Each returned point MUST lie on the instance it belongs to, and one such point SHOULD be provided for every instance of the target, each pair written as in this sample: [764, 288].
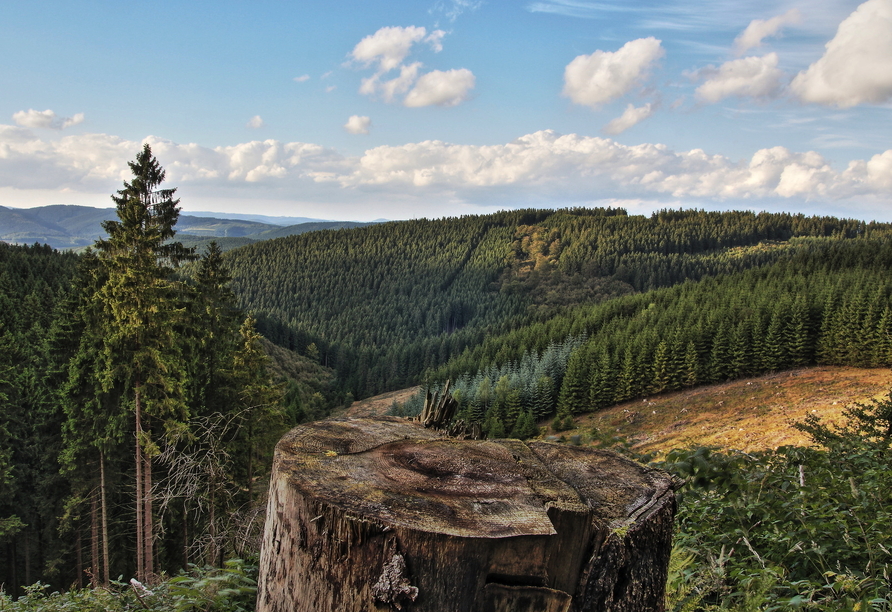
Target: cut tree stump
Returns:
[383, 514]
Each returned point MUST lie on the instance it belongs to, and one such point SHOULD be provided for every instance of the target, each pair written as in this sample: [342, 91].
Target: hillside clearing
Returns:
[748, 414]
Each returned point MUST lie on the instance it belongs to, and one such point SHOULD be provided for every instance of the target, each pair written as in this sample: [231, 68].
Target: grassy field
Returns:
[750, 414]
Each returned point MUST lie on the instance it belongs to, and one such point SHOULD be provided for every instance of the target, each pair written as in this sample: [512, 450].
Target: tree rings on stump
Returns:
[383, 514]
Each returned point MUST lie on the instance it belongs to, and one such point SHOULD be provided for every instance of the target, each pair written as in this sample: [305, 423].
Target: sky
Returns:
[371, 109]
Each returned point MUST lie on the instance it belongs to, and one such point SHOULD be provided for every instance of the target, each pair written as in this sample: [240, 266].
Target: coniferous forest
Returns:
[143, 384]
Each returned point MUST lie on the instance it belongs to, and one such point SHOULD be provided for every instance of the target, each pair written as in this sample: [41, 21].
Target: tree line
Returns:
[384, 304]
[829, 302]
[137, 409]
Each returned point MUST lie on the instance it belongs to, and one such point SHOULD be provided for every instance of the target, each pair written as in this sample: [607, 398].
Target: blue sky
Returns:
[371, 109]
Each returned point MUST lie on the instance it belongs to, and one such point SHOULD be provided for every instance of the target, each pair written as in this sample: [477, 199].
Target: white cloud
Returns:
[435, 40]
[573, 165]
[760, 29]
[255, 122]
[45, 119]
[387, 47]
[550, 168]
[631, 116]
[595, 79]
[302, 78]
[856, 67]
[754, 77]
[441, 88]
[390, 89]
[358, 125]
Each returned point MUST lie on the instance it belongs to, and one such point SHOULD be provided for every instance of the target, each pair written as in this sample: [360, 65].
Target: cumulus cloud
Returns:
[553, 163]
[389, 46]
[98, 162]
[302, 78]
[45, 119]
[748, 77]
[595, 79]
[391, 88]
[255, 122]
[388, 49]
[631, 116]
[856, 67]
[441, 88]
[555, 168]
[760, 29]
[358, 125]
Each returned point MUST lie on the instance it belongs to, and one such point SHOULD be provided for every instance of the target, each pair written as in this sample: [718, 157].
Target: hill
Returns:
[748, 415]
[67, 227]
[74, 227]
[384, 304]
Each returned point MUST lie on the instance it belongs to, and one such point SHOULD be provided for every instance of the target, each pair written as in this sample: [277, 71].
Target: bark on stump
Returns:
[383, 514]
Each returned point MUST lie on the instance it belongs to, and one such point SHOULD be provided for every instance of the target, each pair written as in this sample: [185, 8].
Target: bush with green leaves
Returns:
[232, 588]
[796, 528]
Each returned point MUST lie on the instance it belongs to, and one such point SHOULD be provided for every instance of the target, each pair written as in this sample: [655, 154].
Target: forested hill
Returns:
[77, 227]
[383, 304]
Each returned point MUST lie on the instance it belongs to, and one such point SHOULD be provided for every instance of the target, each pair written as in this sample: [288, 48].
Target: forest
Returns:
[143, 384]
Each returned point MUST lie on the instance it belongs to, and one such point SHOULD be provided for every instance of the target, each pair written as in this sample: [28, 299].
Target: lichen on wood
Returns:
[393, 586]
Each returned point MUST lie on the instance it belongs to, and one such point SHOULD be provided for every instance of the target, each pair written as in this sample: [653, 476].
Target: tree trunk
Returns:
[95, 570]
[102, 485]
[384, 514]
[140, 527]
[148, 522]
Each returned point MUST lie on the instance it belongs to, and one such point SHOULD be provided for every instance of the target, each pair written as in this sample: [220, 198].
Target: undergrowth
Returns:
[231, 588]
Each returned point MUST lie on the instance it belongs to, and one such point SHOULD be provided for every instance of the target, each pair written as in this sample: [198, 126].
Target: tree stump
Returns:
[383, 514]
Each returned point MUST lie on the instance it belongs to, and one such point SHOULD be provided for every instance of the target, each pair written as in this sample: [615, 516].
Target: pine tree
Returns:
[603, 381]
[691, 368]
[573, 397]
[543, 397]
[140, 362]
[525, 426]
[660, 371]
[798, 336]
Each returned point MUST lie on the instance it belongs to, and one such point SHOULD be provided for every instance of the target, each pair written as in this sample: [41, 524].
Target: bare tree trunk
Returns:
[185, 533]
[212, 524]
[102, 488]
[27, 543]
[140, 525]
[382, 514]
[148, 522]
[94, 541]
[79, 542]
[250, 487]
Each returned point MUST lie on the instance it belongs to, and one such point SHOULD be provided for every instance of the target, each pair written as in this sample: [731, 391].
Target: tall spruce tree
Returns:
[140, 360]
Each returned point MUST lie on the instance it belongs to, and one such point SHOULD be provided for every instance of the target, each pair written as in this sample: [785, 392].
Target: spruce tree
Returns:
[574, 396]
[140, 361]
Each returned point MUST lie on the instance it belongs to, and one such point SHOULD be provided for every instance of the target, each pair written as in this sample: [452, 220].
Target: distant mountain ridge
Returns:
[74, 227]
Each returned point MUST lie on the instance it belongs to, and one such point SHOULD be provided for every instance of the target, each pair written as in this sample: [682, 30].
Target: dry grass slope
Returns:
[748, 415]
